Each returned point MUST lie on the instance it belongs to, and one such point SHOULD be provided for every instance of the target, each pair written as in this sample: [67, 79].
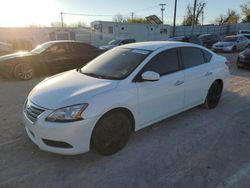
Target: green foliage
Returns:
[245, 9]
[136, 20]
[230, 18]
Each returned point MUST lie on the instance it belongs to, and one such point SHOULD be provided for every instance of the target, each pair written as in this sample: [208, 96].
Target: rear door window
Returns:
[191, 57]
[207, 56]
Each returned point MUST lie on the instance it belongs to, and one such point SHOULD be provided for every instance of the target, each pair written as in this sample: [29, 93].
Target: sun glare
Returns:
[18, 13]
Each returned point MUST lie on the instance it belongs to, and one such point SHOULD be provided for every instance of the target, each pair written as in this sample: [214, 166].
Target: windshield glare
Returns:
[230, 39]
[41, 48]
[115, 64]
[114, 42]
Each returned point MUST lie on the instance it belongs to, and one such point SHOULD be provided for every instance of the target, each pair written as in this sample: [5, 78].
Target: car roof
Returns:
[233, 36]
[64, 41]
[155, 45]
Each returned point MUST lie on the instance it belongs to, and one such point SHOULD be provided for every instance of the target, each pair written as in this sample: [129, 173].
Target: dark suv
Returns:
[209, 39]
[189, 38]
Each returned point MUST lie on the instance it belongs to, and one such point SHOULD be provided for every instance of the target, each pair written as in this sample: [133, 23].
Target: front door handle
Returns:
[208, 73]
[179, 82]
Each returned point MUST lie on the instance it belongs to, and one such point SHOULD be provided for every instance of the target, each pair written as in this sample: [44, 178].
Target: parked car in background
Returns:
[231, 43]
[21, 45]
[50, 57]
[117, 42]
[246, 33]
[5, 48]
[209, 39]
[244, 59]
[123, 90]
[190, 38]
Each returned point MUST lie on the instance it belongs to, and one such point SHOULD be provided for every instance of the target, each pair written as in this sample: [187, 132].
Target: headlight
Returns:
[67, 114]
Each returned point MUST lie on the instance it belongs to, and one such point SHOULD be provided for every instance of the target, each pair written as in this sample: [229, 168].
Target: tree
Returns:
[245, 9]
[119, 18]
[123, 19]
[77, 24]
[73, 24]
[189, 13]
[136, 20]
[57, 24]
[231, 17]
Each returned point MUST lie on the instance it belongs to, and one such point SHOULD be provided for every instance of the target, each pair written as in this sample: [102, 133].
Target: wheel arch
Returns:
[125, 111]
[220, 81]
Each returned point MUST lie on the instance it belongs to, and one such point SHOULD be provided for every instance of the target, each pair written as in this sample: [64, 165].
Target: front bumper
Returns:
[75, 134]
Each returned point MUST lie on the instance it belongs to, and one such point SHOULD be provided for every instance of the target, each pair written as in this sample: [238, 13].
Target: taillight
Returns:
[228, 63]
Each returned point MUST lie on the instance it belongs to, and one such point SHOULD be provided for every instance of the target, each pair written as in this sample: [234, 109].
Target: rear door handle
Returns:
[208, 73]
[179, 82]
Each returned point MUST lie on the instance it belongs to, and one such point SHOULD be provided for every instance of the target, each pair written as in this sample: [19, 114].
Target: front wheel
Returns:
[111, 133]
[213, 95]
[23, 71]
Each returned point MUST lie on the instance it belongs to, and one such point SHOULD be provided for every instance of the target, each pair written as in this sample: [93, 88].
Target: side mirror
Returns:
[150, 76]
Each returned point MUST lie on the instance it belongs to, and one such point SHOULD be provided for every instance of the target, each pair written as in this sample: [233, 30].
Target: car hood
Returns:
[224, 43]
[15, 55]
[68, 88]
[107, 46]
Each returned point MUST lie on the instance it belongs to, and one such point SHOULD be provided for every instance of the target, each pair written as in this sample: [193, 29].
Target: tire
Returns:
[23, 71]
[213, 95]
[111, 133]
[238, 65]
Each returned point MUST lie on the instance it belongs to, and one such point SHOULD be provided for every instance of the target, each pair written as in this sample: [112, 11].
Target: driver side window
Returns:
[164, 63]
[59, 48]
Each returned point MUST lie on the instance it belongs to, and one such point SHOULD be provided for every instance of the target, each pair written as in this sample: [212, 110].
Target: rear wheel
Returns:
[23, 71]
[213, 95]
[111, 133]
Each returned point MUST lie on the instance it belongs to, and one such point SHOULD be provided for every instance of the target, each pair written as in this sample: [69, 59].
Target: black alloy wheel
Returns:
[111, 133]
[213, 95]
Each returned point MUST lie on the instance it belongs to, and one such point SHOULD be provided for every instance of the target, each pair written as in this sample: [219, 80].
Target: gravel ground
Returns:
[197, 148]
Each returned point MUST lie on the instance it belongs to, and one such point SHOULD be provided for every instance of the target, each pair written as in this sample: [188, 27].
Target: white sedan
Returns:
[123, 90]
[231, 43]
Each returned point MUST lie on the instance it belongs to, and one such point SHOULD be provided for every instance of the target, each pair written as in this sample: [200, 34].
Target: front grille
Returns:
[32, 111]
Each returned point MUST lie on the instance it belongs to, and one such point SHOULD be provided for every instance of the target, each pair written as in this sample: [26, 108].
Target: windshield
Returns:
[245, 32]
[115, 64]
[114, 42]
[229, 39]
[41, 48]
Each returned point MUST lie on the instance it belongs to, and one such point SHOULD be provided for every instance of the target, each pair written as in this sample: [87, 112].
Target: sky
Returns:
[20, 13]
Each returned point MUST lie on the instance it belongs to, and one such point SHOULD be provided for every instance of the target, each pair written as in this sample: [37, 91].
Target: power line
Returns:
[78, 14]
[144, 9]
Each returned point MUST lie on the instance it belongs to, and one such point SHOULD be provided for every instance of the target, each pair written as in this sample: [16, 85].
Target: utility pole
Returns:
[162, 10]
[202, 17]
[132, 16]
[175, 5]
[193, 20]
[62, 19]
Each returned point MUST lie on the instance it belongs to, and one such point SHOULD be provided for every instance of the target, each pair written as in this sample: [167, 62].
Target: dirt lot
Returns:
[197, 148]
